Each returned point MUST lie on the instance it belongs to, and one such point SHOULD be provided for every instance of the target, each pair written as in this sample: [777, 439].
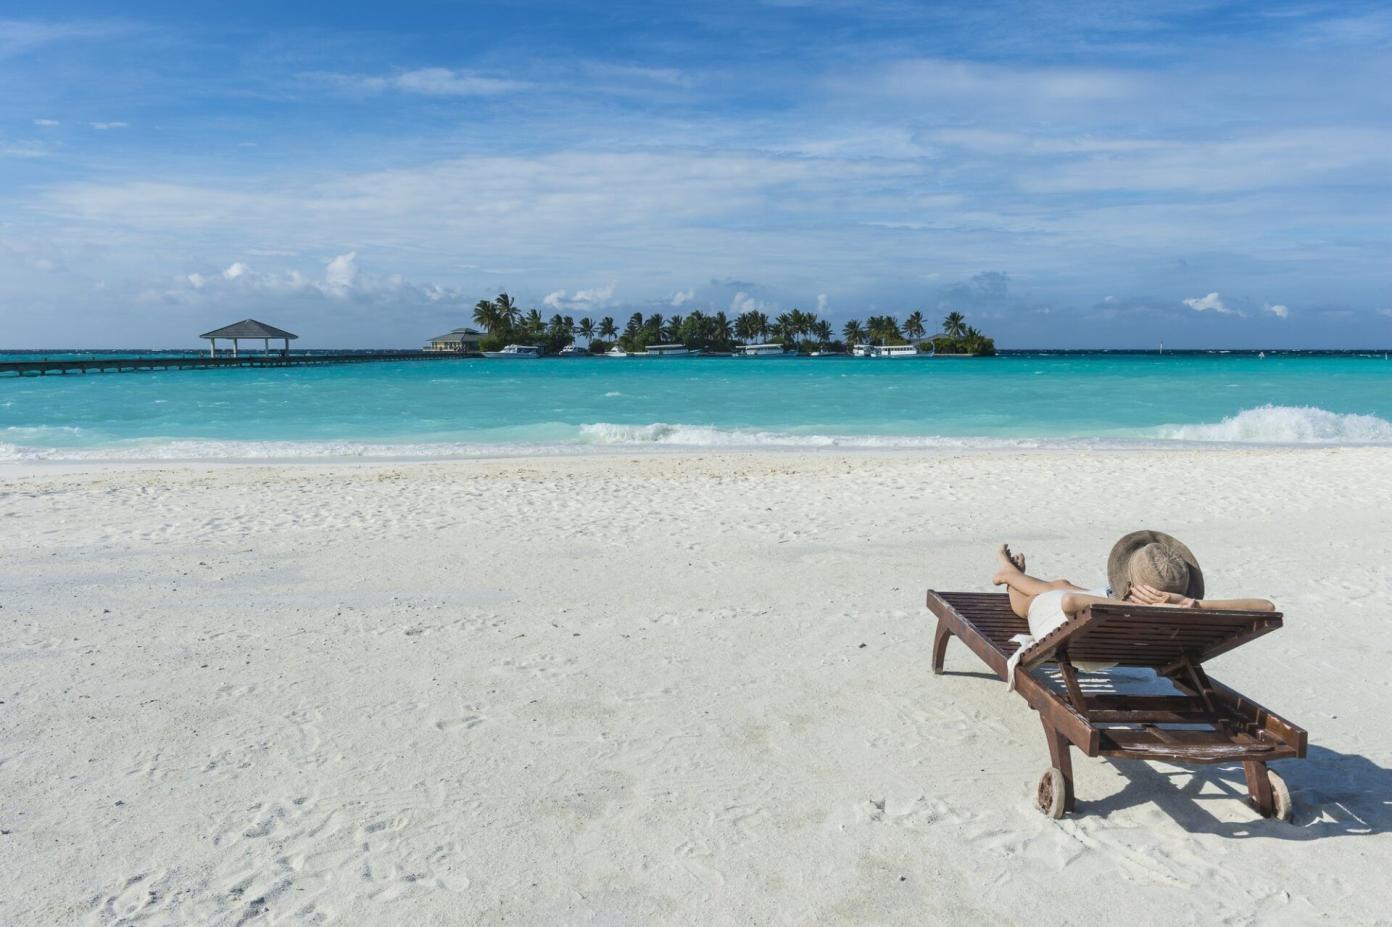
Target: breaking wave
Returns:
[1287, 425]
[1268, 425]
[661, 433]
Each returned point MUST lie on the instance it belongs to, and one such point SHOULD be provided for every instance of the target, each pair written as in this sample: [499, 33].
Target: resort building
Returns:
[249, 330]
[459, 341]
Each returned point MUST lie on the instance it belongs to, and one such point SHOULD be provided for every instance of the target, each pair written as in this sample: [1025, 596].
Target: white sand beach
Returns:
[656, 689]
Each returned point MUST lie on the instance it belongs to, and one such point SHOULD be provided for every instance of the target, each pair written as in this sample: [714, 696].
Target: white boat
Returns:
[615, 351]
[516, 352]
[898, 351]
[762, 350]
[860, 350]
[671, 350]
[828, 354]
[573, 350]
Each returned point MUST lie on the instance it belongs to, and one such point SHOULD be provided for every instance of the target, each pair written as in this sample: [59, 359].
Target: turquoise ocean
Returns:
[481, 407]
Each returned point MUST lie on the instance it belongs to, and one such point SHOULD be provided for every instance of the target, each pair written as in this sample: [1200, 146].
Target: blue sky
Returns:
[1104, 174]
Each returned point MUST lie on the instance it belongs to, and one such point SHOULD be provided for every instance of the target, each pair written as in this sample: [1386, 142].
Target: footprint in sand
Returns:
[451, 724]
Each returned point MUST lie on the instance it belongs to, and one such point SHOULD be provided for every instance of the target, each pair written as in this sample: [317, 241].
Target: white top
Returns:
[1046, 614]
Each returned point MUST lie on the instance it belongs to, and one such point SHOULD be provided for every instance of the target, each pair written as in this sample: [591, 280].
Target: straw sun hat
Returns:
[1153, 558]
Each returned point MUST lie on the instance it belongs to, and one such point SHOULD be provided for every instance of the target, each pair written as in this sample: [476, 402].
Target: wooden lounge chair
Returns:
[1198, 721]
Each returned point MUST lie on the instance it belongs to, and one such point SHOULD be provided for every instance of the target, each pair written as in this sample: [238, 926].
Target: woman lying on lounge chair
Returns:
[1144, 568]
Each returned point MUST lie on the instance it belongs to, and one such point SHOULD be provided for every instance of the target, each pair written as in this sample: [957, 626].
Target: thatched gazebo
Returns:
[249, 329]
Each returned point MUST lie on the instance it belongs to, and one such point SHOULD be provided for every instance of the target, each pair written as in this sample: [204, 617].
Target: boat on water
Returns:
[573, 350]
[516, 352]
[860, 350]
[829, 354]
[670, 350]
[897, 351]
[763, 350]
[615, 351]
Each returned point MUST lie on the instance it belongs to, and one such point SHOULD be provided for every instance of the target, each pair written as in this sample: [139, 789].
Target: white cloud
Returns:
[444, 82]
[821, 303]
[437, 82]
[1278, 310]
[1210, 303]
[104, 126]
[22, 150]
[682, 297]
[342, 280]
[18, 36]
[31, 255]
[581, 300]
[989, 86]
[342, 272]
[743, 302]
[47, 123]
[1226, 164]
[628, 74]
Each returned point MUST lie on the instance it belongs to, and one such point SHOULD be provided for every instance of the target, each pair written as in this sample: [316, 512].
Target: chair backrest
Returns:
[1158, 637]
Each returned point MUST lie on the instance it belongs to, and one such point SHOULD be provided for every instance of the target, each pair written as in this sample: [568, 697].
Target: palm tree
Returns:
[720, 328]
[672, 331]
[696, 329]
[635, 324]
[607, 330]
[883, 328]
[761, 324]
[534, 323]
[586, 329]
[913, 325]
[557, 327]
[853, 332]
[486, 315]
[822, 329]
[955, 325]
[507, 309]
[745, 329]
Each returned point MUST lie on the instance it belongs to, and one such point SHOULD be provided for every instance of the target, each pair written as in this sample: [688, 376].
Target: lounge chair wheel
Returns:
[1280, 797]
[1052, 793]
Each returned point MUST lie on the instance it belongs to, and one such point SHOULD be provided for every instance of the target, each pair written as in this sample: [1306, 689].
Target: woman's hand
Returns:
[1149, 595]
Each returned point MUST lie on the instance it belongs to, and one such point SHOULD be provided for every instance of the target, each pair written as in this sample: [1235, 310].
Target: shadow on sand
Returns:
[1334, 795]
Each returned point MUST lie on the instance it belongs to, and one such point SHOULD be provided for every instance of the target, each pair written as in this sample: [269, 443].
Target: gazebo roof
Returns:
[456, 332]
[249, 328]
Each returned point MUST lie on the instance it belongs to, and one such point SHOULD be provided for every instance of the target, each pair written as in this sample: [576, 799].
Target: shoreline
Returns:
[562, 453]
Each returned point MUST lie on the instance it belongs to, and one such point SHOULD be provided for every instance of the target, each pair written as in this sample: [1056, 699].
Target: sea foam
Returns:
[1286, 425]
[674, 435]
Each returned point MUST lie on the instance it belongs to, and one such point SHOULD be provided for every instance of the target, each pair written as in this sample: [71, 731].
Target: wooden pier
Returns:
[42, 366]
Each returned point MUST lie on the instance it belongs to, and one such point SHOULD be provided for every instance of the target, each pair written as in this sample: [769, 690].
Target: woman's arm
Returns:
[1241, 605]
[1074, 602]
[1147, 595]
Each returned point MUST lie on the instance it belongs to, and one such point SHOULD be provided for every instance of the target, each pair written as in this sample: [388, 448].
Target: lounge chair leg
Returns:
[1259, 788]
[940, 639]
[1060, 756]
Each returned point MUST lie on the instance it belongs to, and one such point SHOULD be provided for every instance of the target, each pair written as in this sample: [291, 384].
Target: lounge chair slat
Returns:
[1189, 746]
[1156, 702]
[1147, 716]
[1151, 636]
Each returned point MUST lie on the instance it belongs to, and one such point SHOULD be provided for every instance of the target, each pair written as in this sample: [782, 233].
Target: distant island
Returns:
[506, 323]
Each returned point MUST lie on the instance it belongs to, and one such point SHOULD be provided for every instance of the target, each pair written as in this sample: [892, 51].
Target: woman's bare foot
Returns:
[1011, 564]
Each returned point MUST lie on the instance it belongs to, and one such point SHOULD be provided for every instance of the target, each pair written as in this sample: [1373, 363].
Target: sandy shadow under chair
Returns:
[1334, 795]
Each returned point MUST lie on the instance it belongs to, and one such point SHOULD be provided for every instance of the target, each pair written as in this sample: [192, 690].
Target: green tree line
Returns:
[506, 323]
